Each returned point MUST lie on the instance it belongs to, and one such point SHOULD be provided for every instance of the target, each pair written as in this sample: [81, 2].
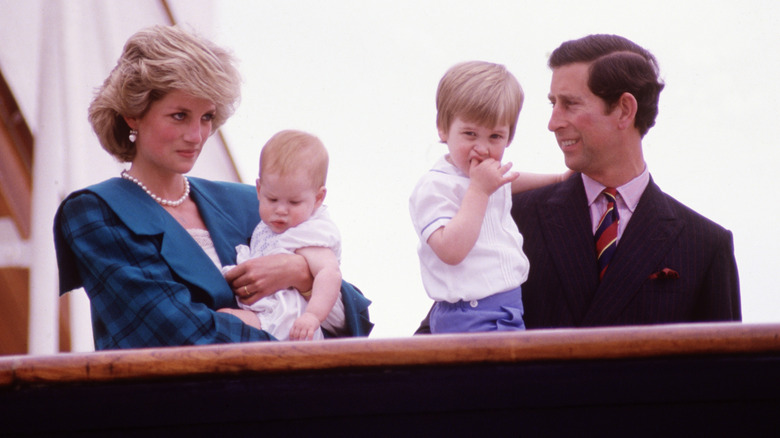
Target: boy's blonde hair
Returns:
[479, 92]
[291, 150]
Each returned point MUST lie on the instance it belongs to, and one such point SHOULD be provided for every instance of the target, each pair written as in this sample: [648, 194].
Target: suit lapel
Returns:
[567, 231]
[652, 230]
[184, 256]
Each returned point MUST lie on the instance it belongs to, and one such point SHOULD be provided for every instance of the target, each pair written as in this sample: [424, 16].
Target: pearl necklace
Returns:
[161, 201]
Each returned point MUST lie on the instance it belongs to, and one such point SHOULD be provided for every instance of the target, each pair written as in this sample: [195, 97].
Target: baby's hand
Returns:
[488, 175]
[304, 327]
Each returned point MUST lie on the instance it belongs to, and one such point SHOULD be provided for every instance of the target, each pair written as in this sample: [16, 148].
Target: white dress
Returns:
[278, 312]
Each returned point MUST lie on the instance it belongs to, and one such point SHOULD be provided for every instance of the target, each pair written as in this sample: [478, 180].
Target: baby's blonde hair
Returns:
[479, 92]
[291, 150]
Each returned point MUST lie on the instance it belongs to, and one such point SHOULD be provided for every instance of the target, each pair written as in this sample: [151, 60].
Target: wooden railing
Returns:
[708, 378]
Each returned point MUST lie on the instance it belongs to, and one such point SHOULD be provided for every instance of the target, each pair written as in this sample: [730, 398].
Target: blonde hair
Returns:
[479, 92]
[291, 150]
[154, 62]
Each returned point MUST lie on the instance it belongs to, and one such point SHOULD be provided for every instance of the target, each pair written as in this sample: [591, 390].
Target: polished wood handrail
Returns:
[276, 357]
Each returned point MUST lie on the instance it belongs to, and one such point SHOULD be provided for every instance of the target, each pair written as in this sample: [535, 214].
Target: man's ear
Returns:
[626, 107]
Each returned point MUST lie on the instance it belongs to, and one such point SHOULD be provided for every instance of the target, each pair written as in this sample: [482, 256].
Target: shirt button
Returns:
[473, 303]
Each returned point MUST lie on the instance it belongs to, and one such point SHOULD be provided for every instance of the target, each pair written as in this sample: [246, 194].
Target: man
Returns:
[668, 263]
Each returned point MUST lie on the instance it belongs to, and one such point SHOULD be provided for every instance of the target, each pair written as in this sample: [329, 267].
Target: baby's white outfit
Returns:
[278, 312]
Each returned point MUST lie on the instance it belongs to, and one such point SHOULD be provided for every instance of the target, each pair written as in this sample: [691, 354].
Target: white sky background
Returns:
[362, 75]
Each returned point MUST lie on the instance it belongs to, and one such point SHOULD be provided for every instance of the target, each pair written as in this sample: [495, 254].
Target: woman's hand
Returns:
[245, 316]
[262, 276]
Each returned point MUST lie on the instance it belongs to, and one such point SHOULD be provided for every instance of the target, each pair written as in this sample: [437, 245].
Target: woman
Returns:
[147, 247]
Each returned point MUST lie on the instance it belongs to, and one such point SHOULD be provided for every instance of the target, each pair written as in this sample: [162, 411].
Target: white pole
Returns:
[43, 334]
[78, 46]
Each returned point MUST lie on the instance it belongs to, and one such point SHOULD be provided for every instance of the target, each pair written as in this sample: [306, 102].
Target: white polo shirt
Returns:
[495, 264]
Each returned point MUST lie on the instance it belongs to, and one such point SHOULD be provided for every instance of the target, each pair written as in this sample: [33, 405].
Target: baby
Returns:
[291, 188]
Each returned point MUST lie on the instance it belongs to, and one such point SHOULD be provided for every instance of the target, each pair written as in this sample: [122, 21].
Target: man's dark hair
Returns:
[617, 66]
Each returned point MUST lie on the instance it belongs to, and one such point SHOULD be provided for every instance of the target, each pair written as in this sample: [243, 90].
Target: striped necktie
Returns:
[607, 232]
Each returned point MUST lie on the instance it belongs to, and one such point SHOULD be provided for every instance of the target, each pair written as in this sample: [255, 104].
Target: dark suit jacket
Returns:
[148, 281]
[563, 289]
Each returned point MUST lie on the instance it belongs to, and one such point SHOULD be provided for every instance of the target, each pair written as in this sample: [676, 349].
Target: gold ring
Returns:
[246, 292]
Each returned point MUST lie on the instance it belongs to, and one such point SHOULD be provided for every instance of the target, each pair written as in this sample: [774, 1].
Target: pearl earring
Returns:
[133, 135]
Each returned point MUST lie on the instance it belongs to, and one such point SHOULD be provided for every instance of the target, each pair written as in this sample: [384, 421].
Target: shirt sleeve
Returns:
[135, 298]
[318, 231]
[433, 203]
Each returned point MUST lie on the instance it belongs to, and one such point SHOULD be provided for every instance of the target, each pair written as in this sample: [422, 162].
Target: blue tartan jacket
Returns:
[148, 281]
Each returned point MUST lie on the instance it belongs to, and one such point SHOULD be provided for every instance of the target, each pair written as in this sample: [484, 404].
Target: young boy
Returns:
[291, 189]
[470, 251]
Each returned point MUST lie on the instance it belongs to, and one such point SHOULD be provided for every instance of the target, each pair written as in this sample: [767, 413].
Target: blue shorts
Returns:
[500, 312]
